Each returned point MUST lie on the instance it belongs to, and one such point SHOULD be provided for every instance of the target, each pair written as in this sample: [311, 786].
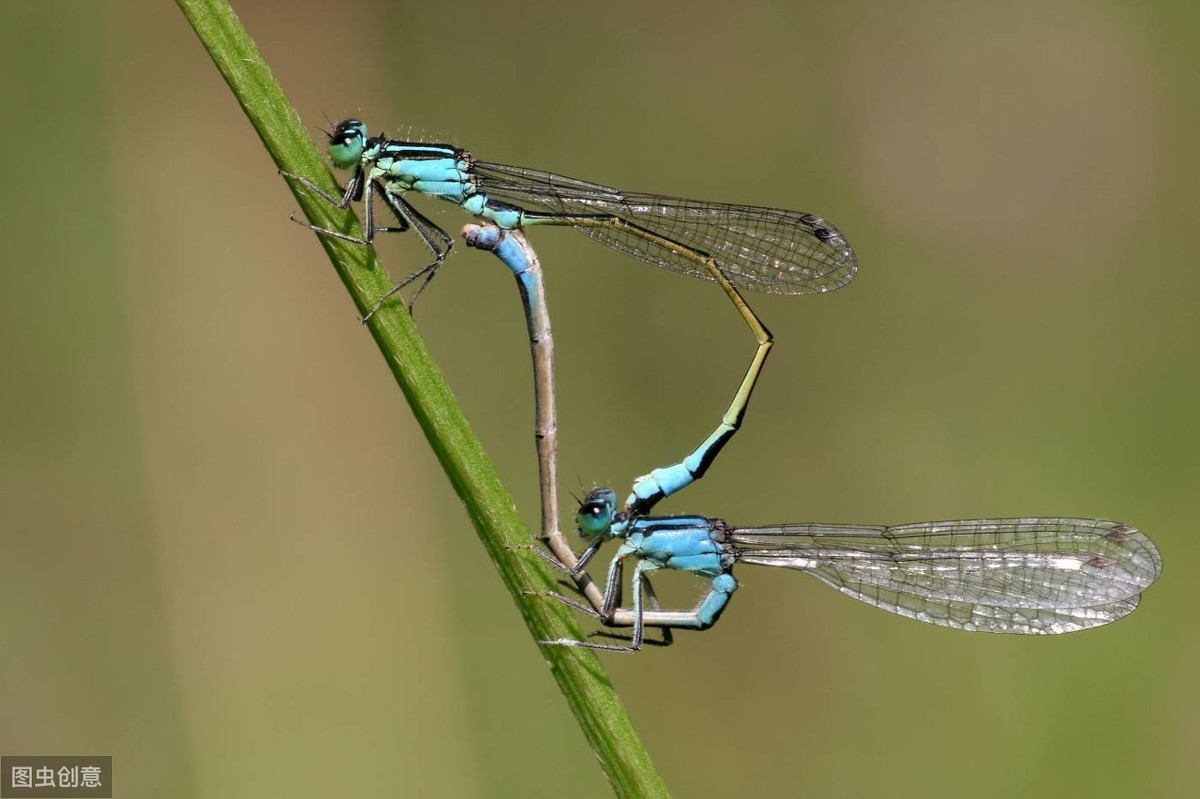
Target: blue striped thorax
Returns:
[686, 543]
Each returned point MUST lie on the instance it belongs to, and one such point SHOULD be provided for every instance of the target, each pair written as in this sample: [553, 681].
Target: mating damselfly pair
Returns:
[1029, 575]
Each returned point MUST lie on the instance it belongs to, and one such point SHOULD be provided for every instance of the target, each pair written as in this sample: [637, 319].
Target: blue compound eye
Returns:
[595, 515]
[347, 142]
[594, 518]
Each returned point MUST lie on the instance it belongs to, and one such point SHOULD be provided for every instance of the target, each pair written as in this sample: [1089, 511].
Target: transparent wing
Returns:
[763, 249]
[1031, 575]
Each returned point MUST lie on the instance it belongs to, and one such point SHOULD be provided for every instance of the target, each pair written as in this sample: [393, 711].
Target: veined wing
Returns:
[1029, 575]
[764, 249]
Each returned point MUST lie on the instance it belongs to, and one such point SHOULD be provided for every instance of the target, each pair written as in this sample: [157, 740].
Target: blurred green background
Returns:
[230, 560]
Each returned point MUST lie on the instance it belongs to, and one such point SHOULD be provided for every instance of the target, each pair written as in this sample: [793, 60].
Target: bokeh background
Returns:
[229, 559]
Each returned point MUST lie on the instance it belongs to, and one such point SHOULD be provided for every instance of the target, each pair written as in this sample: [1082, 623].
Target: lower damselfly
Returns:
[1028, 576]
[1031, 575]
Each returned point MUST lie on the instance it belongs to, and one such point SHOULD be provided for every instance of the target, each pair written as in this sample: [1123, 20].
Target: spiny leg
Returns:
[612, 597]
[349, 194]
[357, 189]
[652, 599]
[704, 615]
[437, 240]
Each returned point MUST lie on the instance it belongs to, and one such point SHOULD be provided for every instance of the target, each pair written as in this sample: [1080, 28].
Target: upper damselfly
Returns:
[763, 249]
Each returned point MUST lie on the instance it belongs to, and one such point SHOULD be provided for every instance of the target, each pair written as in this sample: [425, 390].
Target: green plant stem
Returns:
[583, 681]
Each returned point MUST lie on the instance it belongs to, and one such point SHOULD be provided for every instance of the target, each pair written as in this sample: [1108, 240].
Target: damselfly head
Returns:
[596, 512]
[347, 142]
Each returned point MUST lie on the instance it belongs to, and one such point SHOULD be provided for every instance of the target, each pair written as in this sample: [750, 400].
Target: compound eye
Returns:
[347, 142]
[595, 517]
